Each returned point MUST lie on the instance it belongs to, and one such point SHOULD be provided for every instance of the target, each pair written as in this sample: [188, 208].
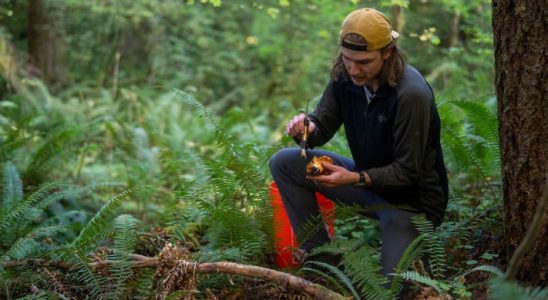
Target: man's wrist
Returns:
[367, 179]
[363, 179]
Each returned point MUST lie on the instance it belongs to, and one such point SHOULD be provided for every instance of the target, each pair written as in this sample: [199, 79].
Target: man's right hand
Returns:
[295, 127]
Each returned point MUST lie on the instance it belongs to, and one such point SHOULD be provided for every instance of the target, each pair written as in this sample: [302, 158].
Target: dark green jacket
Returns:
[395, 139]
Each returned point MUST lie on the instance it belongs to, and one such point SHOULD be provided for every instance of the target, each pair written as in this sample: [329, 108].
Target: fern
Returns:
[23, 247]
[439, 286]
[98, 223]
[411, 253]
[364, 269]
[473, 148]
[17, 210]
[221, 181]
[485, 268]
[250, 179]
[42, 160]
[341, 280]
[229, 227]
[501, 289]
[14, 137]
[484, 122]
[145, 283]
[125, 239]
[80, 269]
[433, 245]
[331, 281]
[12, 186]
[198, 108]
[213, 255]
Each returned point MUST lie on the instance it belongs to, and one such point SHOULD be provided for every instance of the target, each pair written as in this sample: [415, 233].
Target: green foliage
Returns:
[364, 267]
[18, 214]
[444, 285]
[26, 228]
[125, 239]
[433, 245]
[128, 116]
[335, 276]
[98, 224]
[361, 277]
[506, 290]
[226, 204]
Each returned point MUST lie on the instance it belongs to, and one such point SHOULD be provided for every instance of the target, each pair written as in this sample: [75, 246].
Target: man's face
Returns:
[363, 67]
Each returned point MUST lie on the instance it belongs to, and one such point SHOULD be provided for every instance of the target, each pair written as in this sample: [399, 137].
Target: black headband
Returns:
[354, 47]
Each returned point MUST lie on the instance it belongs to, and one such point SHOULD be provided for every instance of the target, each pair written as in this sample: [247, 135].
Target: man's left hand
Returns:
[338, 176]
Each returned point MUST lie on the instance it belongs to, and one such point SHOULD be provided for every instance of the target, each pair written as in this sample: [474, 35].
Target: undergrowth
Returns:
[139, 182]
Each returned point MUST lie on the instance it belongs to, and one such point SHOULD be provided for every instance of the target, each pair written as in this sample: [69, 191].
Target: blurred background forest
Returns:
[130, 123]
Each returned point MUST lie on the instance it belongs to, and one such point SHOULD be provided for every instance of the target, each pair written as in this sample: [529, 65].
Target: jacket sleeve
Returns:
[327, 118]
[410, 135]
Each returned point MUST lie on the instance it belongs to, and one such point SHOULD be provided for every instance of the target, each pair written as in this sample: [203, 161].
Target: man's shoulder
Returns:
[413, 84]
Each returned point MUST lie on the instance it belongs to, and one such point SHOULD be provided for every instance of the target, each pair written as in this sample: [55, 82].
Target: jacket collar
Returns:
[382, 92]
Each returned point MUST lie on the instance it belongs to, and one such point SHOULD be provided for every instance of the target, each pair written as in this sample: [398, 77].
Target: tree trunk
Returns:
[454, 38]
[45, 41]
[519, 28]
[398, 18]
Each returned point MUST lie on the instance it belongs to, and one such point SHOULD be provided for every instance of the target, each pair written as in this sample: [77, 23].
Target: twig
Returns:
[530, 236]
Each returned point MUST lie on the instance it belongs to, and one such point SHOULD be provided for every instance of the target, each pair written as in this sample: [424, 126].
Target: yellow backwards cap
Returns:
[372, 25]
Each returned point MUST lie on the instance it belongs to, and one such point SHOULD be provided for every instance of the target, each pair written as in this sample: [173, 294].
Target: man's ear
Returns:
[386, 52]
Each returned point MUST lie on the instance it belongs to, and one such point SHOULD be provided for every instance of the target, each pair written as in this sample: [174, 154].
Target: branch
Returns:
[530, 236]
[315, 291]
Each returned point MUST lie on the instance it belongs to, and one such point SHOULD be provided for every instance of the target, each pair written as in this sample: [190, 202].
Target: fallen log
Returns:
[315, 291]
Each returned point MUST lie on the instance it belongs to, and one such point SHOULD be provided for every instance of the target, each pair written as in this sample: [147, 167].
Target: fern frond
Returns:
[25, 205]
[198, 108]
[364, 268]
[46, 231]
[80, 269]
[339, 276]
[311, 226]
[485, 268]
[251, 179]
[23, 247]
[125, 233]
[485, 122]
[145, 283]
[67, 191]
[12, 187]
[336, 247]
[464, 155]
[501, 289]
[55, 145]
[208, 255]
[125, 239]
[222, 181]
[411, 253]
[439, 286]
[330, 279]
[230, 227]
[433, 245]
[98, 223]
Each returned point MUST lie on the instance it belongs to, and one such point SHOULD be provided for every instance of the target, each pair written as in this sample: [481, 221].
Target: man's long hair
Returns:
[392, 69]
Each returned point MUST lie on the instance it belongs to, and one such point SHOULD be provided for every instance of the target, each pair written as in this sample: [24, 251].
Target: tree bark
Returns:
[519, 28]
[45, 42]
[454, 38]
[398, 18]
